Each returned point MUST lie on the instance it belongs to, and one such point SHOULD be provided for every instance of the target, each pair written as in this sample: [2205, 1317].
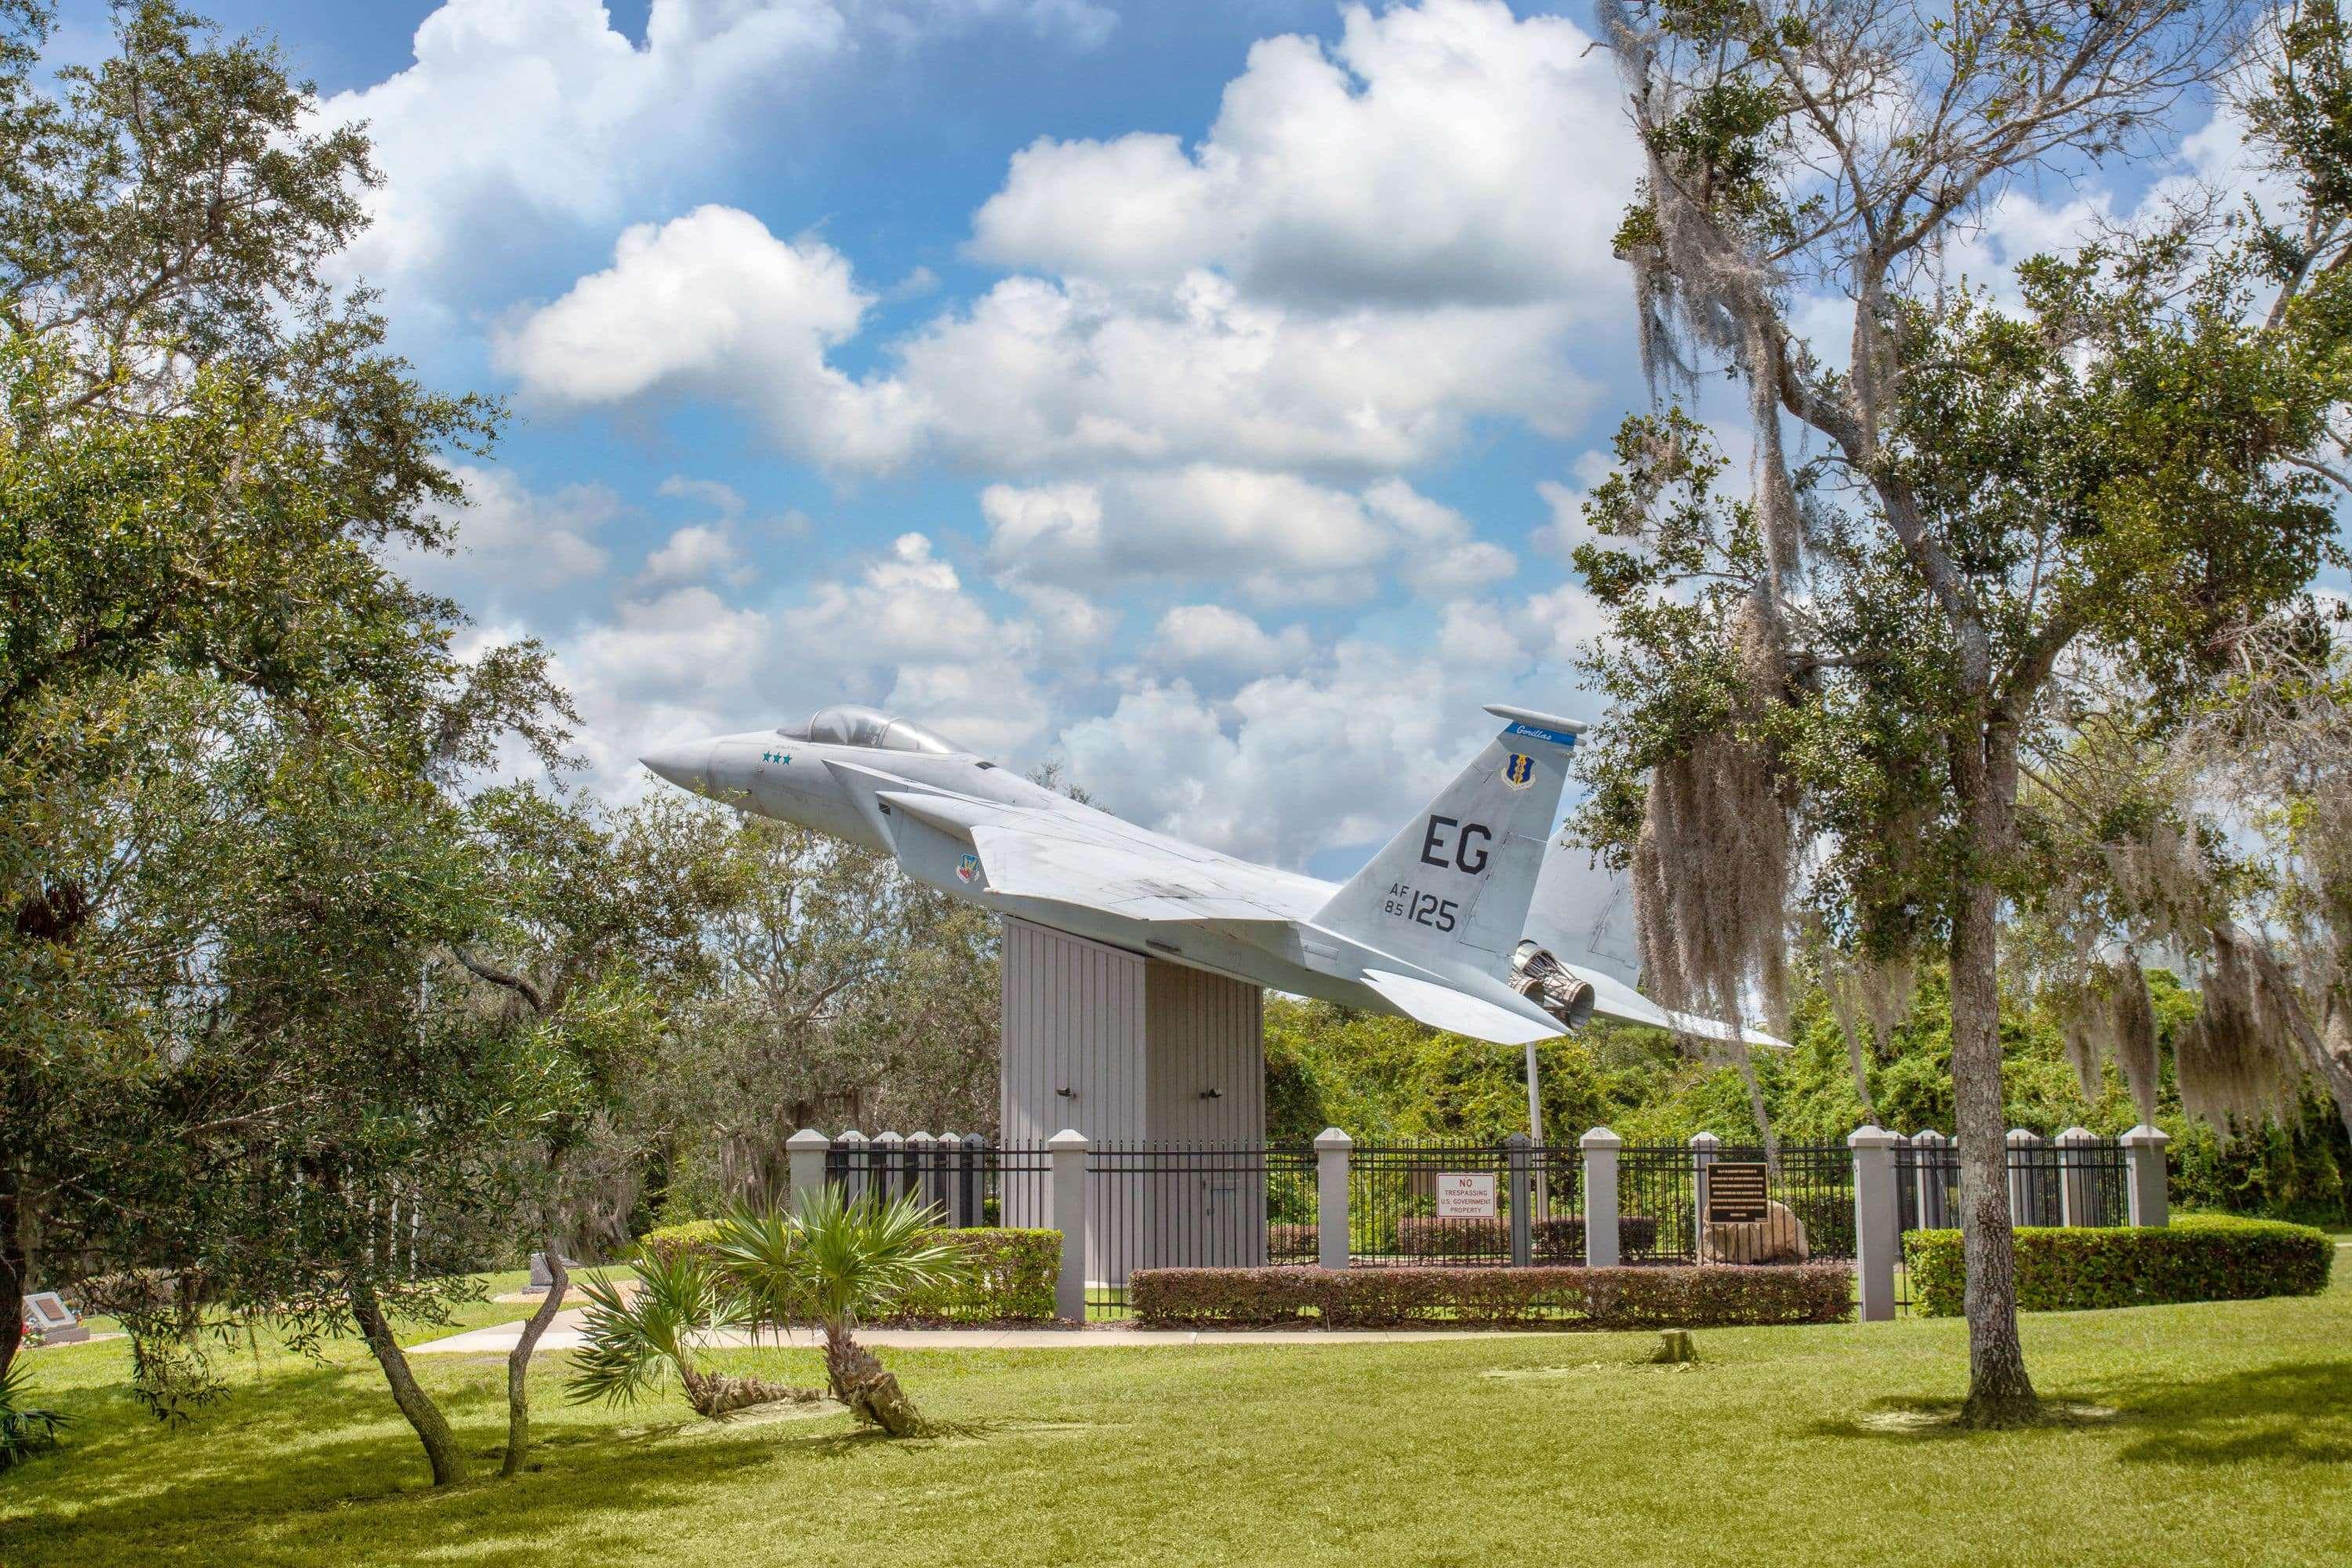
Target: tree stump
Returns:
[1674, 1347]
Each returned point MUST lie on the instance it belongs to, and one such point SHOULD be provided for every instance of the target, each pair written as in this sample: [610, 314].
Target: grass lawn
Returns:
[2231, 1441]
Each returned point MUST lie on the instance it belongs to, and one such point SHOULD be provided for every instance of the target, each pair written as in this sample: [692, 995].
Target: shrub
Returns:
[1292, 1243]
[1475, 1298]
[1014, 1273]
[1552, 1240]
[2203, 1257]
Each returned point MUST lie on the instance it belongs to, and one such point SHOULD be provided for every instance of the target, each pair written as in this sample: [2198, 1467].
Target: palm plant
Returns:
[630, 1339]
[24, 1431]
[834, 1261]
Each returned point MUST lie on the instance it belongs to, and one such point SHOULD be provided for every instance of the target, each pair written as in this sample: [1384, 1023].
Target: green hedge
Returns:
[1493, 1298]
[2198, 1258]
[1014, 1273]
[1558, 1240]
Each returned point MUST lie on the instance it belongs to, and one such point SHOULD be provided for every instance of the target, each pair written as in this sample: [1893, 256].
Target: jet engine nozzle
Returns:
[1548, 983]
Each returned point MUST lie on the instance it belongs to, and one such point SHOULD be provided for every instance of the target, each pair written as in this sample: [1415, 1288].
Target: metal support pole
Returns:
[2144, 1147]
[1331, 1150]
[804, 1153]
[1069, 1149]
[1535, 1098]
[1523, 1190]
[1876, 1228]
[1600, 1147]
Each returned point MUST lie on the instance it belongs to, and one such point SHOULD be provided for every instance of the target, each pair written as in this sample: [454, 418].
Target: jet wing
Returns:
[1026, 853]
[1113, 878]
[1443, 1007]
[1615, 999]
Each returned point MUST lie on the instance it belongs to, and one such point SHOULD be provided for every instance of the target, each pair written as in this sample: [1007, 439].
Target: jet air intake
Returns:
[1542, 979]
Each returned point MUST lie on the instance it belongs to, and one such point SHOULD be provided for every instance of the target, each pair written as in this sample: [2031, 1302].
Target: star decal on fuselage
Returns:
[775, 756]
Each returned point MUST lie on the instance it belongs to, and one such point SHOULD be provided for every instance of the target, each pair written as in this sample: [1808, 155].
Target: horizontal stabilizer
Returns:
[1443, 1007]
[1615, 999]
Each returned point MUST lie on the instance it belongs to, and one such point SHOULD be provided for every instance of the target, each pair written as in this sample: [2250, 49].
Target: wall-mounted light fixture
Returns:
[1212, 1094]
[1066, 1093]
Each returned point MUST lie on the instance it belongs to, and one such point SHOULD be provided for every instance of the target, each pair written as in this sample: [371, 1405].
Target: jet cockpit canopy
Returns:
[848, 724]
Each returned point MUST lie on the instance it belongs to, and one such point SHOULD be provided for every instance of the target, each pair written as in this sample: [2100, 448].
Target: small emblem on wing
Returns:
[968, 867]
[1518, 770]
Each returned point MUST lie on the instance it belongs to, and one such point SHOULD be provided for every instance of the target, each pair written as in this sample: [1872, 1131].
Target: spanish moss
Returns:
[2232, 1061]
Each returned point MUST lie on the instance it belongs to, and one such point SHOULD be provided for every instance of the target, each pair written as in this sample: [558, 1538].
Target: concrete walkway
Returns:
[564, 1334]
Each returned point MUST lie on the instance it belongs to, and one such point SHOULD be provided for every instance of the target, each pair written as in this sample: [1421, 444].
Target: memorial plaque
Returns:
[46, 1314]
[1465, 1195]
[1736, 1192]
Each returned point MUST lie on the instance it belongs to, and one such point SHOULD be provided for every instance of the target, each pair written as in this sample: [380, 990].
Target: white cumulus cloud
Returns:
[1282, 538]
[511, 538]
[1442, 152]
[713, 304]
[1215, 640]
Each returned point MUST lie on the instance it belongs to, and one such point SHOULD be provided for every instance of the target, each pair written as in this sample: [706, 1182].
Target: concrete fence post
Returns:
[1523, 1200]
[2077, 1198]
[1877, 1225]
[2024, 1172]
[1930, 1202]
[2144, 1147]
[971, 1180]
[852, 1144]
[1067, 1214]
[888, 1154]
[1702, 1155]
[1600, 1147]
[922, 1170]
[805, 1154]
[1331, 1152]
[951, 1190]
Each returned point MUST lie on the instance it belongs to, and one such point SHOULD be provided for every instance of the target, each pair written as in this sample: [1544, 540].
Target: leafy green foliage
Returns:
[632, 1338]
[24, 1429]
[2198, 1257]
[1379, 1078]
[1009, 1276]
[1540, 1296]
[839, 1261]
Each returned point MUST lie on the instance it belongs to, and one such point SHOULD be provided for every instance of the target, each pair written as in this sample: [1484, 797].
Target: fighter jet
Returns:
[1431, 927]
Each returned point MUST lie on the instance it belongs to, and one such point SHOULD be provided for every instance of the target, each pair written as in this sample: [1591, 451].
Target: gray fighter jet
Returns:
[1431, 929]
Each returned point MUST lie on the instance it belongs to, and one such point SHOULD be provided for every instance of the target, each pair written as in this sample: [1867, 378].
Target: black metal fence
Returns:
[1194, 1205]
[1421, 1203]
[972, 1183]
[2086, 1182]
[1248, 1205]
[1661, 1194]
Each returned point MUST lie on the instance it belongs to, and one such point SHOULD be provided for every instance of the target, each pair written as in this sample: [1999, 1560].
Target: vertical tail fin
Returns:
[1456, 884]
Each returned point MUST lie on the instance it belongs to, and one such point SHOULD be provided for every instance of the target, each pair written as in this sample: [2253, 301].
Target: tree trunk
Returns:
[2000, 1393]
[432, 1427]
[518, 1360]
[15, 1269]
[871, 1395]
[715, 1393]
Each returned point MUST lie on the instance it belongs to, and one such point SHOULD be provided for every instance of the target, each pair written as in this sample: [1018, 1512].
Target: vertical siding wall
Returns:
[1074, 1017]
[1139, 1043]
[1205, 1031]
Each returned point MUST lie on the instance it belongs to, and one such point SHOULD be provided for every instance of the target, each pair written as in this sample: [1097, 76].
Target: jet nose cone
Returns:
[686, 766]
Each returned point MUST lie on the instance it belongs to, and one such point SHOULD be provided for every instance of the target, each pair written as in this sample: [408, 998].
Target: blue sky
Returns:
[1199, 394]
